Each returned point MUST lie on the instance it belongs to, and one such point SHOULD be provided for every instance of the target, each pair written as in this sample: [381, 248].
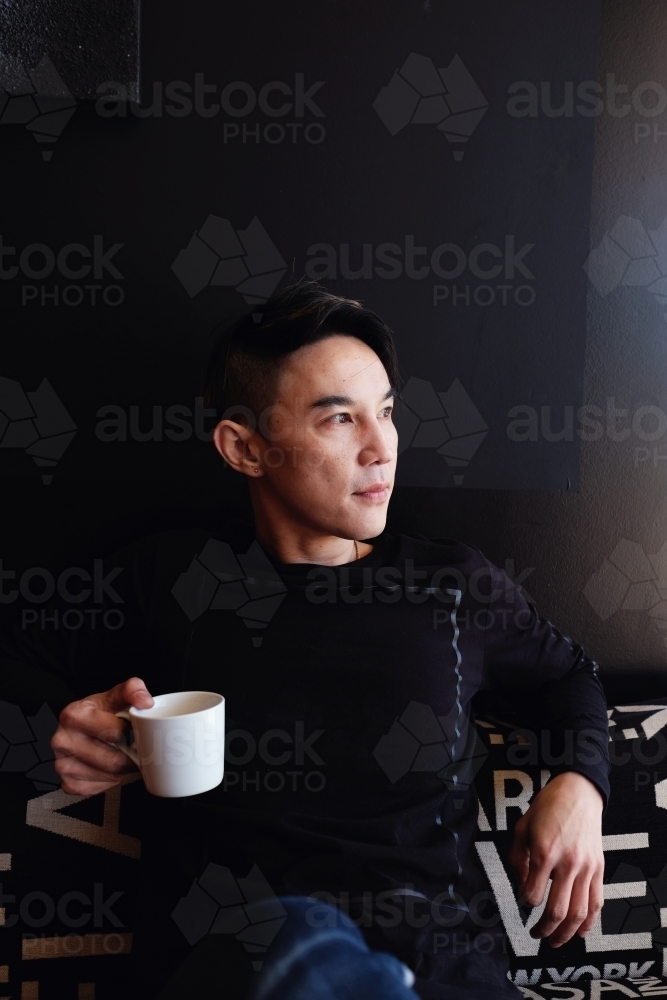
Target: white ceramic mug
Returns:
[179, 742]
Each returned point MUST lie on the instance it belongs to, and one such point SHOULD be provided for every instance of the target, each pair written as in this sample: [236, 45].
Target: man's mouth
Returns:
[375, 493]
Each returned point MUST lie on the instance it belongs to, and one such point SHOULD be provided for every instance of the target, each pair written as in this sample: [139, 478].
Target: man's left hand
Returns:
[560, 838]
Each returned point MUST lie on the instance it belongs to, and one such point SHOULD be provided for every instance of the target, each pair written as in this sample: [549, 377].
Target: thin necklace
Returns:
[356, 548]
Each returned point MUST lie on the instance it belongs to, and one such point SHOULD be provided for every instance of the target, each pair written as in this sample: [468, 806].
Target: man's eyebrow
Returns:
[325, 401]
[333, 400]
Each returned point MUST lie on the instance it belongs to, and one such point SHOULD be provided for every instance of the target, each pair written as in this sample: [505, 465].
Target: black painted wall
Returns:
[530, 308]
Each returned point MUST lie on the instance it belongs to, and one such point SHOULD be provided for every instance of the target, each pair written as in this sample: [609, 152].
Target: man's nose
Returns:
[377, 449]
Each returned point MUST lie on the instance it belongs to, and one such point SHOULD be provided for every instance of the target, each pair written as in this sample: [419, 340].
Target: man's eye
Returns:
[387, 410]
[340, 418]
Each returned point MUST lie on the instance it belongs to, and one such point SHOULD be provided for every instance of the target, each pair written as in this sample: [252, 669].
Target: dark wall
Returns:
[530, 189]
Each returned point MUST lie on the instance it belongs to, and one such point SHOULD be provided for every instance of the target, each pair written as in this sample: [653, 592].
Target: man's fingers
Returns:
[95, 716]
[577, 911]
[554, 913]
[574, 901]
[71, 769]
[522, 868]
[131, 692]
[91, 752]
[539, 873]
[85, 786]
[519, 855]
[78, 778]
[595, 902]
[88, 717]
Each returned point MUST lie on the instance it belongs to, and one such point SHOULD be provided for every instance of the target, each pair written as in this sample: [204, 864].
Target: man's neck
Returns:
[304, 545]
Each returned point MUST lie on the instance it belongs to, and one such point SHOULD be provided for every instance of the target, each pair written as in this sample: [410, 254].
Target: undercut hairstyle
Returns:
[244, 363]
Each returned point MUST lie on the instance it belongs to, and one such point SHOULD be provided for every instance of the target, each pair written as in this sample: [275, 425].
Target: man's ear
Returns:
[235, 443]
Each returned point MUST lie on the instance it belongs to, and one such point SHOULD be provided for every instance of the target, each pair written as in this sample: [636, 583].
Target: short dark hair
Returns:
[244, 363]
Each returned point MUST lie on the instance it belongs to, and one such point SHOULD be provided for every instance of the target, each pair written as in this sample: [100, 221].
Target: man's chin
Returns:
[371, 526]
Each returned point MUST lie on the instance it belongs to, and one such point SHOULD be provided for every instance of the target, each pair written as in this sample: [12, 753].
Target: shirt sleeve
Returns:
[552, 684]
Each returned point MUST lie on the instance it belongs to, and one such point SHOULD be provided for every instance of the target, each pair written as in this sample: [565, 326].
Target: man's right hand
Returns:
[85, 761]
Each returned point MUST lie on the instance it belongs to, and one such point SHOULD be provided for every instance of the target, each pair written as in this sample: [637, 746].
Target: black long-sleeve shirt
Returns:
[350, 749]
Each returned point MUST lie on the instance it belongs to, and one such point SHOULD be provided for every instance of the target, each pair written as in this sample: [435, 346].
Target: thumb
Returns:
[519, 856]
[132, 692]
[537, 883]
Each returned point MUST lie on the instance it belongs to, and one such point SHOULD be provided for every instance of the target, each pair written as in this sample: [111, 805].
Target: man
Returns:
[322, 631]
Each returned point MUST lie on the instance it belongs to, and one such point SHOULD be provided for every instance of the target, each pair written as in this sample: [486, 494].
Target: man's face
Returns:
[329, 444]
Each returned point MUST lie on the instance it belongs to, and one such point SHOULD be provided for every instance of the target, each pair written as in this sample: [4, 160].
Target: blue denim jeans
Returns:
[320, 954]
[317, 953]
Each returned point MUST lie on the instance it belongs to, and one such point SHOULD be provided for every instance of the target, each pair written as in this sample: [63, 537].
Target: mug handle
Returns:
[129, 751]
